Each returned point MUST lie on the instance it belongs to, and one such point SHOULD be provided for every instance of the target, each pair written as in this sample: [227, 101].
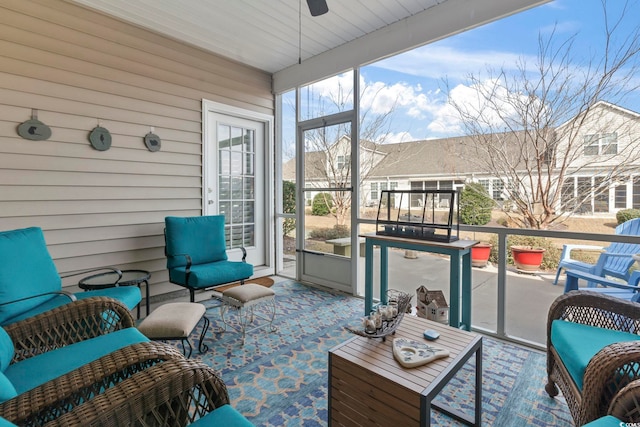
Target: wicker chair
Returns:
[64, 326]
[625, 408]
[611, 366]
[174, 393]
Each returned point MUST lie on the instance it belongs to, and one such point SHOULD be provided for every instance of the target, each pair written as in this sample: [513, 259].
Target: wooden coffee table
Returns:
[367, 386]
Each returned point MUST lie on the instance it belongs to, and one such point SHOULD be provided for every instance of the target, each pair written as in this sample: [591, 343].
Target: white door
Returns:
[234, 181]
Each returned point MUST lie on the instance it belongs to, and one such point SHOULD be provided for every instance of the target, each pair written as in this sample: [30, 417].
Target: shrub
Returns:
[475, 205]
[336, 232]
[288, 206]
[551, 256]
[322, 204]
[626, 214]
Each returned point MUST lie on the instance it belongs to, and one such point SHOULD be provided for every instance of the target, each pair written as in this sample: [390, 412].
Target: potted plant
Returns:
[527, 259]
[475, 209]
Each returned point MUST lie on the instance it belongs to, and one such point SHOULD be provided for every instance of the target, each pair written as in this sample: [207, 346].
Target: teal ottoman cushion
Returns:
[576, 344]
[30, 373]
[26, 269]
[223, 416]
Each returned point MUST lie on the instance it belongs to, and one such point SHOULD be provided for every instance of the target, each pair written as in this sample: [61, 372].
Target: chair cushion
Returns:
[201, 237]
[606, 421]
[576, 344]
[30, 373]
[6, 350]
[128, 295]
[7, 390]
[225, 416]
[6, 423]
[26, 269]
[212, 274]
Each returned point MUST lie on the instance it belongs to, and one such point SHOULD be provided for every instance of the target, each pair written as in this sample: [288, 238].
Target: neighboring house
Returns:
[448, 163]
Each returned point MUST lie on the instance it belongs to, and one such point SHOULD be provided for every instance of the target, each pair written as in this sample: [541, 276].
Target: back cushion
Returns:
[201, 237]
[26, 269]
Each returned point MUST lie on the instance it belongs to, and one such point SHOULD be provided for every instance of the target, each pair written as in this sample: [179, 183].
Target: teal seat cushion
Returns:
[7, 390]
[26, 269]
[201, 237]
[212, 274]
[606, 421]
[6, 350]
[128, 295]
[223, 416]
[30, 373]
[576, 344]
[6, 423]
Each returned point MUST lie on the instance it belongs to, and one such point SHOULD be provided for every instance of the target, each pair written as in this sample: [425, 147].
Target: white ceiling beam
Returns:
[444, 20]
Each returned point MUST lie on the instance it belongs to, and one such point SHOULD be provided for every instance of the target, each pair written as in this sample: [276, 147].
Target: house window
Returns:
[609, 143]
[568, 195]
[498, 189]
[636, 193]
[601, 196]
[343, 162]
[605, 144]
[584, 194]
[621, 196]
[484, 183]
[374, 191]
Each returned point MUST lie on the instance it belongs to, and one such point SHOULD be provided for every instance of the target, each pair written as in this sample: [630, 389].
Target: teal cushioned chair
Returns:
[196, 254]
[593, 351]
[70, 354]
[30, 283]
[177, 393]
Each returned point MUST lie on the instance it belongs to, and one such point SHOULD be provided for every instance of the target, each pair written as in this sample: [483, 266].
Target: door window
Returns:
[236, 184]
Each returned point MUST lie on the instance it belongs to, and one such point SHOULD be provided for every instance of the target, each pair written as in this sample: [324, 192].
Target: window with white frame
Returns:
[374, 191]
[497, 192]
[601, 144]
[343, 162]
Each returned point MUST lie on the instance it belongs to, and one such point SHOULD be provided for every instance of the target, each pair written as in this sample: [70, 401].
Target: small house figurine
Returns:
[432, 305]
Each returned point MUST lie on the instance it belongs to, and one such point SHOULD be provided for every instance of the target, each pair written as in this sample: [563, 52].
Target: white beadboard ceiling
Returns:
[265, 33]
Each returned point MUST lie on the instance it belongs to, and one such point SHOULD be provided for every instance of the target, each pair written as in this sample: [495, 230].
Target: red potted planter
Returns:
[480, 254]
[526, 258]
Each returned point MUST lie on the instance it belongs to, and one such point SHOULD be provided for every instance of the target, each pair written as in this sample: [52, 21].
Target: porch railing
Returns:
[502, 234]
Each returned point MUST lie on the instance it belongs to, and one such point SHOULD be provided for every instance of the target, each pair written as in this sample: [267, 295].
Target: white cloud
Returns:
[439, 61]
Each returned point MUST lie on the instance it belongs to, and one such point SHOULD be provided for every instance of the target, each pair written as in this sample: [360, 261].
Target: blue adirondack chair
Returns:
[615, 260]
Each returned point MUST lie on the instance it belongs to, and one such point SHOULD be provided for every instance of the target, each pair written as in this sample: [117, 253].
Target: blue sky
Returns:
[416, 78]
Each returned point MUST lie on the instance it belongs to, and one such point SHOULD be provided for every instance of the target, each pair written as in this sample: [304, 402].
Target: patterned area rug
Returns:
[280, 379]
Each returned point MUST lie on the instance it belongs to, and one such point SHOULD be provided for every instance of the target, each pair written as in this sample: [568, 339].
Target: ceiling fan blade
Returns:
[317, 7]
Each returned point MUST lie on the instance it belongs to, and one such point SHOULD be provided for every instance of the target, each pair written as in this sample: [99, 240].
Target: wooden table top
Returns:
[455, 245]
[376, 356]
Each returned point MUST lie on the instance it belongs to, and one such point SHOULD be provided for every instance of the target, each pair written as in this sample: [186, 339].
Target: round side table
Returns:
[110, 280]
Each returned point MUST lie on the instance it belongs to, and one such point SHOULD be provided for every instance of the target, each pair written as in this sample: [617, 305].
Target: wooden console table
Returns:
[459, 272]
[368, 387]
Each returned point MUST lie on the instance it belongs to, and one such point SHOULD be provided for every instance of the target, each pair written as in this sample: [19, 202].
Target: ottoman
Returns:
[176, 321]
[245, 298]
